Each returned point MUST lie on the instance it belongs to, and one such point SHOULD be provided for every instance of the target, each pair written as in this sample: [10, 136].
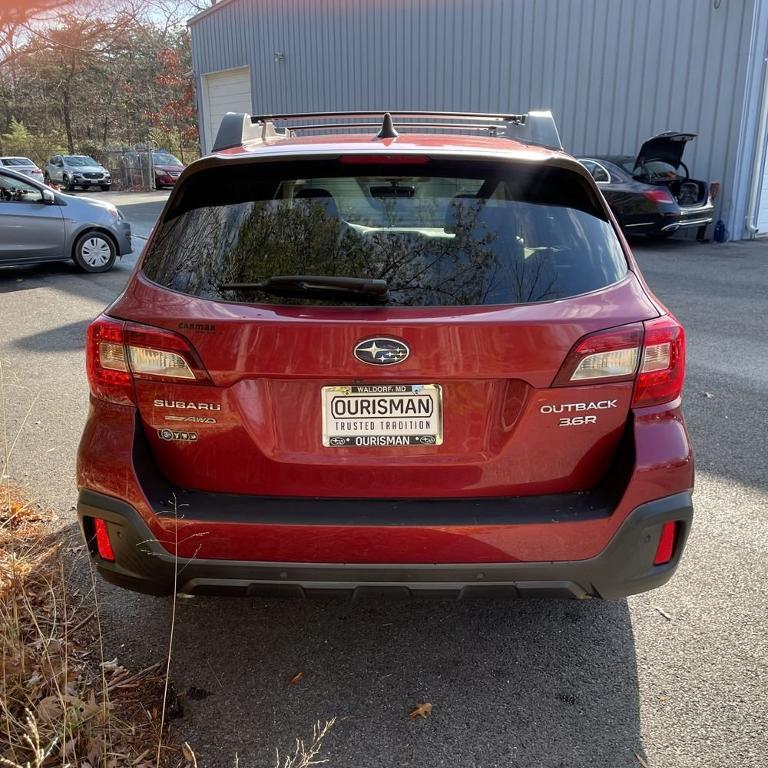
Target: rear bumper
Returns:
[624, 567]
[669, 218]
[689, 220]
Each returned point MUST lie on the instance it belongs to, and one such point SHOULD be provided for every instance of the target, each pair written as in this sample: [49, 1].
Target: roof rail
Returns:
[238, 129]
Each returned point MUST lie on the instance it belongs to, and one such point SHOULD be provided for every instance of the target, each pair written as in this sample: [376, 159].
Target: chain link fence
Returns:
[132, 168]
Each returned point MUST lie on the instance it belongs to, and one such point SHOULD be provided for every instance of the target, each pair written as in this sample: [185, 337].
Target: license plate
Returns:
[382, 415]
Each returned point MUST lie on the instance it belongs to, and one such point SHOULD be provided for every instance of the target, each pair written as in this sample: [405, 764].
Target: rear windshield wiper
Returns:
[322, 286]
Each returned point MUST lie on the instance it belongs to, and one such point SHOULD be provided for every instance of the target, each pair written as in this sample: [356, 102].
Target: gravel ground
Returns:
[523, 684]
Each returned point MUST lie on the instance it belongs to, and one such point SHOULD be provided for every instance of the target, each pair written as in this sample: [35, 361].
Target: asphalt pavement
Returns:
[515, 684]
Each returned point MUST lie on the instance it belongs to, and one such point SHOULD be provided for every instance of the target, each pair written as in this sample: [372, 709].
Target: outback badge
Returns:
[381, 351]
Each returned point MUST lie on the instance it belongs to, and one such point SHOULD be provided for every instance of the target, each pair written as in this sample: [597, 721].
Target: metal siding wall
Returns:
[614, 71]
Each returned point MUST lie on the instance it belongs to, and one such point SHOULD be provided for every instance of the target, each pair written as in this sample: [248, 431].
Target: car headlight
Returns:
[114, 212]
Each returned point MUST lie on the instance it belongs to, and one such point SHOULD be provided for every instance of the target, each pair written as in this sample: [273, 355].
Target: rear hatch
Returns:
[423, 327]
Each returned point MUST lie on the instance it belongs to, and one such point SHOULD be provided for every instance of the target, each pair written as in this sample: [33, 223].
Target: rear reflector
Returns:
[667, 542]
[118, 352]
[103, 544]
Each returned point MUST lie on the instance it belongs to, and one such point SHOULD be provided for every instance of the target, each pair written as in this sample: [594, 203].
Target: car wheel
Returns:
[94, 252]
[67, 185]
[105, 187]
[46, 179]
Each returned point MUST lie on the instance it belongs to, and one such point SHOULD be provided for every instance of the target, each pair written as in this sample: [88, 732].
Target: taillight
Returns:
[653, 352]
[714, 190]
[659, 195]
[118, 352]
[106, 361]
[667, 540]
[604, 356]
[662, 369]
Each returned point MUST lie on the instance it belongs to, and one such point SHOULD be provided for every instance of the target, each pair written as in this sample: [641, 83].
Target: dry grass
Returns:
[306, 755]
[61, 703]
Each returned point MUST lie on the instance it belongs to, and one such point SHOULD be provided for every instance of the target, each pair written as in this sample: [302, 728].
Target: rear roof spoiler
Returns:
[238, 129]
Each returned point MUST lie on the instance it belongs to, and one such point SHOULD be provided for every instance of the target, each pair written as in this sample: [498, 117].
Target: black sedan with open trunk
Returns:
[653, 193]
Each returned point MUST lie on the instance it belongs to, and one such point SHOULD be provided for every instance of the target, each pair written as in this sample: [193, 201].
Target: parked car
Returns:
[167, 168]
[39, 224]
[351, 363]
[22, 165]
[72, 171]
[652, 193]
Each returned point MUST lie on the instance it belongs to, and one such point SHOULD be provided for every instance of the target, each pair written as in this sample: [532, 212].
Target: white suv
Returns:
[77, 171]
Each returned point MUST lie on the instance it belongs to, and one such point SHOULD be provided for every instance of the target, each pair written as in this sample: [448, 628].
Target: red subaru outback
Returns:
[418, 360]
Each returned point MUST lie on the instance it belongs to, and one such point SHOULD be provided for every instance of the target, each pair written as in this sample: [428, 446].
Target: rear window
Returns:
[652, 170]
[163, 158]
[440, 233]
[16, 161]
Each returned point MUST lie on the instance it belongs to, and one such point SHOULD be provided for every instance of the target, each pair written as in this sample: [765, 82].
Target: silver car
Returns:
[22, 165]
[77, 171]
[40, 224]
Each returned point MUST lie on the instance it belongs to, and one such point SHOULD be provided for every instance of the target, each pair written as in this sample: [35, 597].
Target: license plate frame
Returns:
[414, 427]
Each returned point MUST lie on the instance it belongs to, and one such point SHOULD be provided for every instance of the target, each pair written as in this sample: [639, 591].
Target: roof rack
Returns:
[238, 129]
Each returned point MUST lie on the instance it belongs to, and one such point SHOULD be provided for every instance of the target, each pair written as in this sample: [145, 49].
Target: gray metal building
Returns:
[614, 72]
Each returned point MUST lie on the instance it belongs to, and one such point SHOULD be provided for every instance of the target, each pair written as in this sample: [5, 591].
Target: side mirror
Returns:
[48, 197]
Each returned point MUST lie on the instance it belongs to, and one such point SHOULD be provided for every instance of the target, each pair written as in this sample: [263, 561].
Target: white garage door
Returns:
[227, 91]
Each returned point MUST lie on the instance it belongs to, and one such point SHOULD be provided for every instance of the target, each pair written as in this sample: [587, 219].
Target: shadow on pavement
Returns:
[60, 339]
[64, 276]
[514, 684]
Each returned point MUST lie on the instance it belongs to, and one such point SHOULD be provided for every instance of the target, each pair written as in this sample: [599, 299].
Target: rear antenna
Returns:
[387, 128]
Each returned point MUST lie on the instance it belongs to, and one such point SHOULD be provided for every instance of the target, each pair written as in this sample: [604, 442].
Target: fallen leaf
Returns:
[641, 761]
[421, 710]
[94, 749]
[296, 678]
[666, 615]
[49, 709]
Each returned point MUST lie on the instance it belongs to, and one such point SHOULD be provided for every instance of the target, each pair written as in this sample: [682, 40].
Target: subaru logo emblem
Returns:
[381, 351]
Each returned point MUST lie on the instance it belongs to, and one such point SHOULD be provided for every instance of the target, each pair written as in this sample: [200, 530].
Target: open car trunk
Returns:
[660, 161]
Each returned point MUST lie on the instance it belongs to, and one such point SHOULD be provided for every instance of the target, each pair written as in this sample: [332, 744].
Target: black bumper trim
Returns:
[623, 568]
